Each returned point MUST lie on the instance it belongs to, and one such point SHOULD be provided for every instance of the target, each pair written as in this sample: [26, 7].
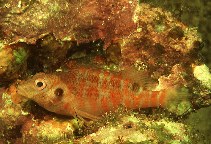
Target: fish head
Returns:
[47, 90]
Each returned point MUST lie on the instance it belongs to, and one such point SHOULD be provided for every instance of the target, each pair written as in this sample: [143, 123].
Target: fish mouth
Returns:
[23, 91]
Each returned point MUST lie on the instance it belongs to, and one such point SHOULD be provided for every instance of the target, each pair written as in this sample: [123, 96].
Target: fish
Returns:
[90, 92]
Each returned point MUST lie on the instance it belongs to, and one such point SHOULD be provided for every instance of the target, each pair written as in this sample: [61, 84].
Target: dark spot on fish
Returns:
[39, 84]
[135, 87]
[176, 33]
[59, 92]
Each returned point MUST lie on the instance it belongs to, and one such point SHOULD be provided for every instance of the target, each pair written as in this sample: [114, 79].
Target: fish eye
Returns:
[40, 84]
[59, 92]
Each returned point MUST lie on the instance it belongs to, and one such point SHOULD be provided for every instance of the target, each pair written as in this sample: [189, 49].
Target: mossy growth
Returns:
[160, 28]
[162, 134]
[20, 55]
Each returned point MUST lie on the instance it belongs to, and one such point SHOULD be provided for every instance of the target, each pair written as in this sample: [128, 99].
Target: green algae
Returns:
[7, 99]
[20, 55]
[160, 28]
[162, 134]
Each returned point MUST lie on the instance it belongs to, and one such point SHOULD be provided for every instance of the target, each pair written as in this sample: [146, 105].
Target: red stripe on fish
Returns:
[92, 96]
[105, 104]
[81, 75]
[115, 82]
[105, 81]
[116, 98]
[126, 94]
[92, 76]
[144, 99]
[126, 88]
[127, 101]
[154, 102]
[136, 100]
[162, 98]
[80, 96]
[104, 84]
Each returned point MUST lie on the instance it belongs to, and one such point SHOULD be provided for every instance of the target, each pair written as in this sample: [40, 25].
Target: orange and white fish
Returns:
[90, 92]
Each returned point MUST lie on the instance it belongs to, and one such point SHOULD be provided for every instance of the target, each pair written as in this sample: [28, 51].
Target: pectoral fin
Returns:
[87, 115]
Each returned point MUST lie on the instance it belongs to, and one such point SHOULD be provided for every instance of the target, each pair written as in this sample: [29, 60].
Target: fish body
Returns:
[89, 92]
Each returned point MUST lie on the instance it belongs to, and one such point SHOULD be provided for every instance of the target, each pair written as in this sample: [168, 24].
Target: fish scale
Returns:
[90, 92]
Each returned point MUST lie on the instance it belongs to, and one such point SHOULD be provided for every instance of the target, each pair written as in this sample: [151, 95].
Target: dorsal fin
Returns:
[138, 78]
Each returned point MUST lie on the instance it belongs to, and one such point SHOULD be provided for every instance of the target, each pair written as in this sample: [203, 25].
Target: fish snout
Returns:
[23, 89]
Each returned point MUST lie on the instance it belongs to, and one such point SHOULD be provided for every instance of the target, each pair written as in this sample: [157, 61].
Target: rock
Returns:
[13, 61]
[51, 131]
[131, 129]
[202, 73]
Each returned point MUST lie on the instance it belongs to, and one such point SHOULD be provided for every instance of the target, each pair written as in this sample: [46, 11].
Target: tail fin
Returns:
[178, 100]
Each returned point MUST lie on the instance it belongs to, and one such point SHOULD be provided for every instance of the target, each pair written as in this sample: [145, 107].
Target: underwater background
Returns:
[162, 47]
